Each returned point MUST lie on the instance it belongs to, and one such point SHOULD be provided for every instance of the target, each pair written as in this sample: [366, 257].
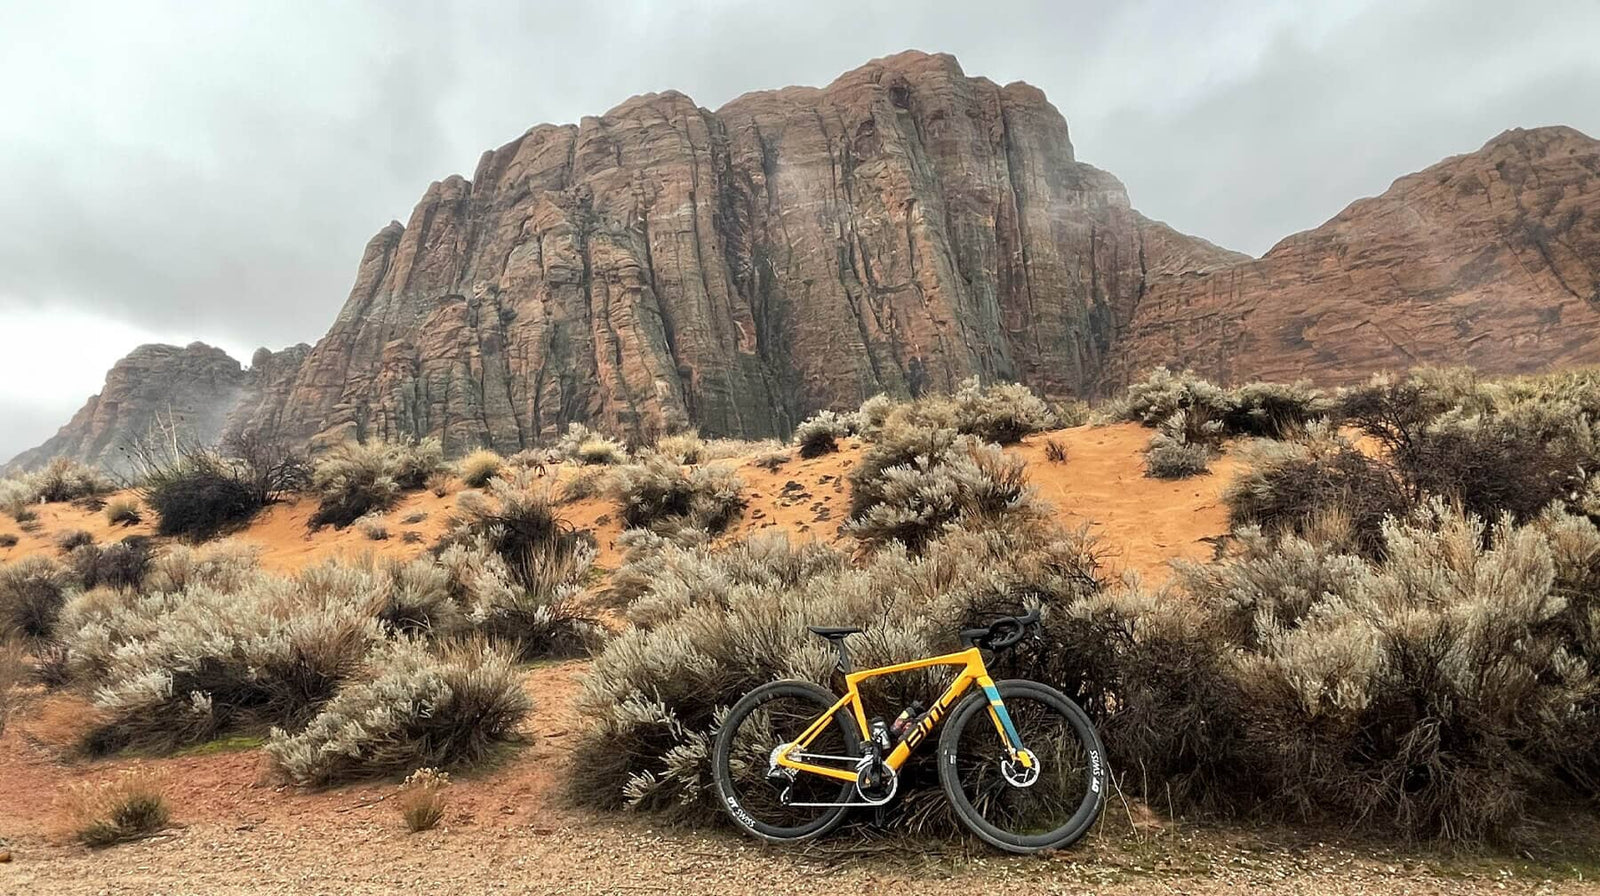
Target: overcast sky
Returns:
[180, 171]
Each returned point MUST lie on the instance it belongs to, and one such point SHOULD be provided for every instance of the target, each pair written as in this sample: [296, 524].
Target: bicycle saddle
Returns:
[832, 632]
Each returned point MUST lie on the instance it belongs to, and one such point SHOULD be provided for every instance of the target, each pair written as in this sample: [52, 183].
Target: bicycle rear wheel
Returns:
[752, 791]
[1010, 806]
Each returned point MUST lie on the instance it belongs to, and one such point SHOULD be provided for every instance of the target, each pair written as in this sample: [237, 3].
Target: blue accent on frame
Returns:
[1005, 717]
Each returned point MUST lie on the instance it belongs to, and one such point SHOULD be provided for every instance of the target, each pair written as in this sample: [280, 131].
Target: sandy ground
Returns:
[508, 829]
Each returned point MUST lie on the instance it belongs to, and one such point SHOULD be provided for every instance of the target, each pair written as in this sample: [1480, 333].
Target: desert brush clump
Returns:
[198, 494]
[72, 539]
[1177, 450]
[655, 493]
[414, 708]
[585, 446]
[1443, 691]
[685, 448]
[32, 592]
[1288, 486]
[476, 469]
[120, 565]
[373, 526]
[64, 479]
[128, 806]
[354, 479]
[170, 669]
[123, 511]
[421, 799]
[1002, 413]
[915, 483]
[519, 571]
[820, 433]
[1268, 410]
[730, 620]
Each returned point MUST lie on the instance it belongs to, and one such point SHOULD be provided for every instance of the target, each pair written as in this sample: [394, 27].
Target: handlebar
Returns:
[1002, 633]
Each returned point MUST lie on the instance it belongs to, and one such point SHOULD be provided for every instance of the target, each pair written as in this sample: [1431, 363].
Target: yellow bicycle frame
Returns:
[973, 671]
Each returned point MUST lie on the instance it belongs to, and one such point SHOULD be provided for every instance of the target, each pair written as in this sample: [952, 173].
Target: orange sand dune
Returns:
[1142, 523]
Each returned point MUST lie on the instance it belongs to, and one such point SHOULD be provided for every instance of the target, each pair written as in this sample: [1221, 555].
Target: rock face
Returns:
[156, 387]
[899, 230]
[1490, 259]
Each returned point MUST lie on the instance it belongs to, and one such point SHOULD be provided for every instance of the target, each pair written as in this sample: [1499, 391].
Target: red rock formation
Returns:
[1490, 259]
[899, 230]
[156, 387]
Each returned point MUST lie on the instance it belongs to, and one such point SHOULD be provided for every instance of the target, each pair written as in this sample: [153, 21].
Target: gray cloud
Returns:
[213, 170]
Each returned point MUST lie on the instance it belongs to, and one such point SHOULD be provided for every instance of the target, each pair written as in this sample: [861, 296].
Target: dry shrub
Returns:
[661, 579]
[177, 668]
[914, 484]
[477, 468]
[439, 484]
[354, 479]
[64, 479]
[32, 592]
[129, 806]
[1448, 690]
[199, 495]
[820, 433]
[581, 486]
[1289, 485]
[1055, 452]
[219, 566]
[421, 799]
[373, 526]
[727, 621]
[685, 448]
[121, 565]
[519, 570]
[1003, 413]
[1163, 393]
[656, 493]
[413, 709]
[1269, 410]
[1177, 450]
[72, 539]
[123, 511]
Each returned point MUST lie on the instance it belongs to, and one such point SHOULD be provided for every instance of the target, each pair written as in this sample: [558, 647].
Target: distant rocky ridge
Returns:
[899, 230]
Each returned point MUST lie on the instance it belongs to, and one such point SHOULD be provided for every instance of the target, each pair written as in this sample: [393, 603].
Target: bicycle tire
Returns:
[739, 805]
[959, 773]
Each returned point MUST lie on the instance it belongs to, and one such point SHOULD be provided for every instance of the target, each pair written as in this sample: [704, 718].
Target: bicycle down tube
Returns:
[973, 670]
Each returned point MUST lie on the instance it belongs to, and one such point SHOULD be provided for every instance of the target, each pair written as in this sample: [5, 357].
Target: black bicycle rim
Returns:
[773, 805]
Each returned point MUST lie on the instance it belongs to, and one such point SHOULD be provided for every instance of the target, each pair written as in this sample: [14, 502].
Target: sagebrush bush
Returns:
[220, 566]
[120, 565]
[32, 592]
[1174, 451]
[123, 511]
[770, 460]
[417, 709]
[1163, 393]
[655, 493]
[736, 619]
[421, 799]
[1269, 410]
[914, 484]
[72, 539]
[199, 495]
[64, 479]
[177, 668]
[477, 468]
[684, 448]
[1440, 692]
[581, 486]
[519, 570]
[1289, 486]
[820, 433]
[1002, 412]
[373, 526]
[129, 806]
[355, 478]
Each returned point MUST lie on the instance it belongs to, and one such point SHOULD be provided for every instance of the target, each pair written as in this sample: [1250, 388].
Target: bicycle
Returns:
[791, 758]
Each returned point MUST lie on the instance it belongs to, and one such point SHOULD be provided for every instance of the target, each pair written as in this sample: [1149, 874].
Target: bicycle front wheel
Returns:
[1007, 804]
[776, 804]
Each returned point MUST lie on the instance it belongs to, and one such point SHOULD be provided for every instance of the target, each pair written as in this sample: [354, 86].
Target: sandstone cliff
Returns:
[191, 389]
[899, 230]
[1490, 259]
